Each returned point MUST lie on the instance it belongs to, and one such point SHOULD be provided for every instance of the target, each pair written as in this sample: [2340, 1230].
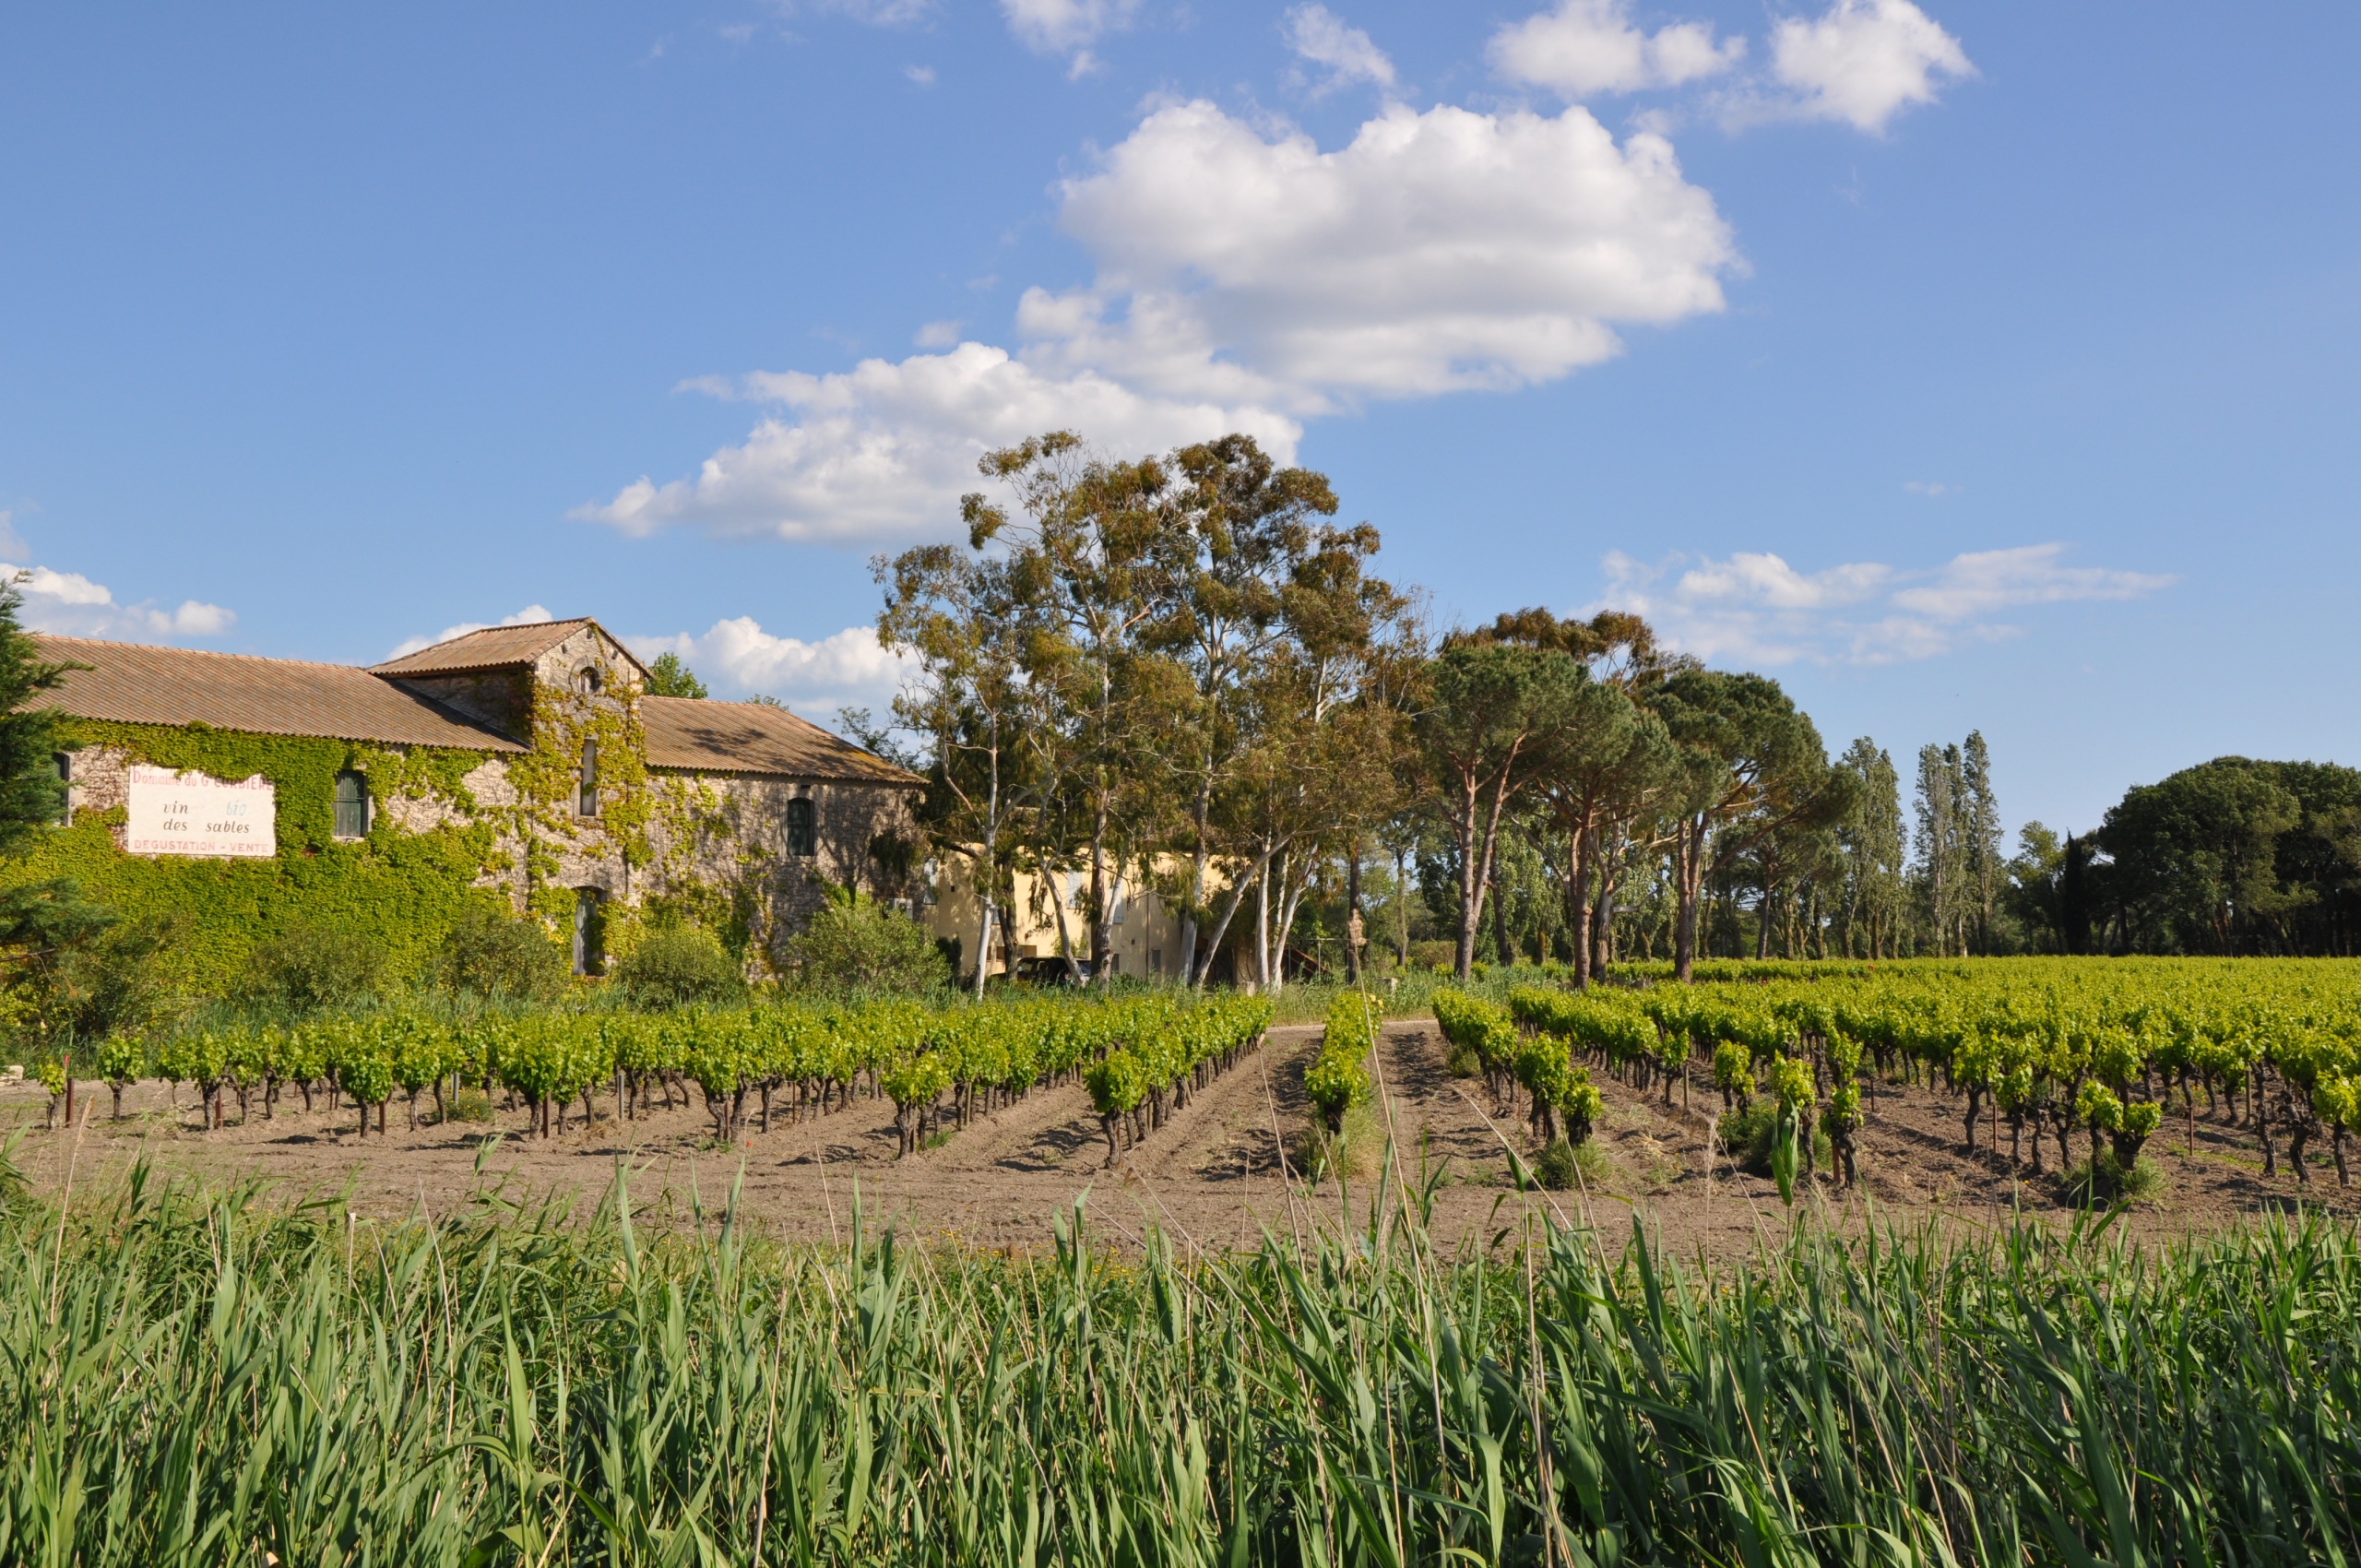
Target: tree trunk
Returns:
[1352, 911]
[1689, 873]
[1100, 932]
[1581, 850]
[1475, 867]
[1263, 929]
[1230, 911]
[1401, 908]
[1505, 954]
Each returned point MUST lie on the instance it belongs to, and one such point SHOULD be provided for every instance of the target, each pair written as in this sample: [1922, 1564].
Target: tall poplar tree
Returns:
[1873, 843]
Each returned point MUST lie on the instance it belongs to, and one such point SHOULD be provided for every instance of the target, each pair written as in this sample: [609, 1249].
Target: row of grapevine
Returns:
[1157, 1052]
[2048, 1049]
[1540, 1062]
[1338, 1078]
[740, 1058]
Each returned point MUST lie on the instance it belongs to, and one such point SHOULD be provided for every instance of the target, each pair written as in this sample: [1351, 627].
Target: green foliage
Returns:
[916, 1081]
[856, 943]
[678, 967]
[404, 889]
[308, 967]
[1554, 1166]
[556, 1386]
[1338, 1078]
[491, 954]
[1749, 1133]
[31, 734]
[669, 677]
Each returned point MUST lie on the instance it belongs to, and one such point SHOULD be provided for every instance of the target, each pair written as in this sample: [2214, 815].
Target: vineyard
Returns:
[1139, 1056]
[2049, 1068]
[2049, 1049]
[1445, 1367]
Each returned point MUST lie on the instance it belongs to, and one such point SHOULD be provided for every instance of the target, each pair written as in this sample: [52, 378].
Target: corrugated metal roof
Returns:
[133, 684]
[742, 737]
[494, 647]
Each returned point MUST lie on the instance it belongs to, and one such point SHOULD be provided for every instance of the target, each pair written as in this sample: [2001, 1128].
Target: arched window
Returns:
[803, 827]
[352, 805]
[586, 680]
[587, 802]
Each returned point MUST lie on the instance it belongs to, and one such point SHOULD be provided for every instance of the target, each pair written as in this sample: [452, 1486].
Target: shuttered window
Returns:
[352, 805]
[802, 828]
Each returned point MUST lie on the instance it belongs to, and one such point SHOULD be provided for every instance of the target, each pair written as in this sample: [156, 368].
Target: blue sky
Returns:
[1968, 366]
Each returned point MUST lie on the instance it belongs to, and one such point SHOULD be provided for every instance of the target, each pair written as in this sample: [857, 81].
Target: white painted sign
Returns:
[188, 813]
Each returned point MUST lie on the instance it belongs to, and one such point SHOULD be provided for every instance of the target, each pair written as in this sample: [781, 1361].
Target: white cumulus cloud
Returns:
[70, 605]
[1593, 46]
[847, 669]
[1434, 252]
[1755, 608]
[1067, 27]
[1321, 37]
[532, 615]
[885, 449]
[1862, 62]
[1245, 281]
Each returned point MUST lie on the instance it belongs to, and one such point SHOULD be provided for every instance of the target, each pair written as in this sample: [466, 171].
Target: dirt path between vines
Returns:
[1211, 1177]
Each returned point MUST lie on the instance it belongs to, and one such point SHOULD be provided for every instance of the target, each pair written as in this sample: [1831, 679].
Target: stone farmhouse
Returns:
[532, 756]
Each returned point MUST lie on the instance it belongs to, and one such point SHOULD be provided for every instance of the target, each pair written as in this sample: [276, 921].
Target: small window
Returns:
[1155, 960]
[64, 789]
[803, 829]
[587, 681]
[589, 931]
[587, 802]
[352, 805]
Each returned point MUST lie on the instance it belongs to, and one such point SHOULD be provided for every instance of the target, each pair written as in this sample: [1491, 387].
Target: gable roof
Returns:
[701, 736]
[133, 684]
[496, 647]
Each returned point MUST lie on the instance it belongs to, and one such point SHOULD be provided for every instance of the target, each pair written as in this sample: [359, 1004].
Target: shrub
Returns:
[1355, 1151]
[1554, 1166]
[2111, 1181]
[1433, 955]
[679, 967]
[1748, 1134]
[308, 967]
[857, 944]
[490, 953]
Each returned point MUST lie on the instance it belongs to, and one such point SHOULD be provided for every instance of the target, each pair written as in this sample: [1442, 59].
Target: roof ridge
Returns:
[202, 652]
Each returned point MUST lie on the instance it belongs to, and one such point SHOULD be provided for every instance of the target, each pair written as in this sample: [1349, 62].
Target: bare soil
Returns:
[1217, 1175]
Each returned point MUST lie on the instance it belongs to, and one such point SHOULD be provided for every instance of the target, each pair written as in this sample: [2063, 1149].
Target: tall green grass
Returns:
[199, 1376]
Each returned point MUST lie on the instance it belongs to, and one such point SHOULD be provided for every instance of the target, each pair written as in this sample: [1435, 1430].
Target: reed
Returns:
[203, 1376]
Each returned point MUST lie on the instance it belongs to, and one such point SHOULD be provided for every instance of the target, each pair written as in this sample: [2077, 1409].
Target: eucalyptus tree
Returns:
[1243, 527]
[1752, 764]
[959, 615]
[1082, 547]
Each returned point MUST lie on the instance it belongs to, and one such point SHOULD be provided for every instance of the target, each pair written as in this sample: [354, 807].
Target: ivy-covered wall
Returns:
[404, 889]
